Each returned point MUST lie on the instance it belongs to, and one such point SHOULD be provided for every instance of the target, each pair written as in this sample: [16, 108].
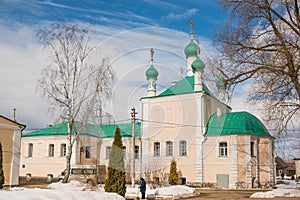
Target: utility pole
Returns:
[133, 113]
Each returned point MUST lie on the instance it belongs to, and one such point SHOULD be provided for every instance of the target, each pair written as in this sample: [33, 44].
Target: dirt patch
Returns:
[229, 194]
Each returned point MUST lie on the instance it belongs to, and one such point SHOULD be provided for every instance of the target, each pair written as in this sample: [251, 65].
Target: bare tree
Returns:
[74, 86]
[154, 174]
[261, 43]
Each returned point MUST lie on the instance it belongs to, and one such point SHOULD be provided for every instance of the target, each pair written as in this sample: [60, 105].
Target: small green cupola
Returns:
[192, 48]
[198, 64]
[198, 68]
[221, 83]
[151, 73]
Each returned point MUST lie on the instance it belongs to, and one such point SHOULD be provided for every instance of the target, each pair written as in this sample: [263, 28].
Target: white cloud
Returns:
[186, 15]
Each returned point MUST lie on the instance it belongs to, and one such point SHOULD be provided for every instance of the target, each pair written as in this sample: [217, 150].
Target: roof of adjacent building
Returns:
[236, 123]
[184, 86]
[22, 126]
[280, 162]
[101, 131]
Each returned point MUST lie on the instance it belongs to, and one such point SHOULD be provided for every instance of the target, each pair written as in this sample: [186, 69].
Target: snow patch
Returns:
[58, 191]
[288, 189]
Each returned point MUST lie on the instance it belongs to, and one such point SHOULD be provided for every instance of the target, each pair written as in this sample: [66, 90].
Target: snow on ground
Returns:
[58, 191]
[289, 188]
[77, 191]
[177, 191]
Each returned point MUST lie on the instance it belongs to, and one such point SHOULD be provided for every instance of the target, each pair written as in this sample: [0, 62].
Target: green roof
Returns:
[184, 86]
[236, 123]
[102, 131]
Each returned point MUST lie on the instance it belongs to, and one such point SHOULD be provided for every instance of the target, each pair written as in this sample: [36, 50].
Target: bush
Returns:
[173, 176]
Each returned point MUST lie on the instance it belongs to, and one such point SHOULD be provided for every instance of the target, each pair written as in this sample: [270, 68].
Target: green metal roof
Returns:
[184, 86]
[102, 131]
[232, 123]
[108, 130]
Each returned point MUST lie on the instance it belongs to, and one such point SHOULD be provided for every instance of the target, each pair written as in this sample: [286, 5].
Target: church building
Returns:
[211, 145]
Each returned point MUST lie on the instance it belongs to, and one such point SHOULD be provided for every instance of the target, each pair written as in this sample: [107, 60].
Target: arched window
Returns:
[136, 152]
[156, 149]
[169, 148]
[182, 148]
[63, 150]
[223, 149]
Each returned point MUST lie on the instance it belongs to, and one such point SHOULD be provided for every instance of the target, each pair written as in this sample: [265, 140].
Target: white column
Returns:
[272, 164]
[144, 137]
[233, 177]
[198, 81]
[189, 63]
[75, 154]
[151, 87]
[15, 162]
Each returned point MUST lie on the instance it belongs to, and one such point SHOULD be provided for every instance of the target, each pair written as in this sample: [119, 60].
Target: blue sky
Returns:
[125, 29]
[123, 14]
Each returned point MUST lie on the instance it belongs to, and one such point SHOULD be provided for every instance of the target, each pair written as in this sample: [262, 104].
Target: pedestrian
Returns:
[142, 187]
[282, 175]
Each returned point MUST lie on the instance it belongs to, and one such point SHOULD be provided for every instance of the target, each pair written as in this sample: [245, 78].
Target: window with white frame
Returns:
[63, 150]
[107, 153]
[223, 151]
[169, 148]
[88, 152]
[51, 150]
[136, 152]
[182, 148]
[30, 150]
[156, 149]
[124, 152]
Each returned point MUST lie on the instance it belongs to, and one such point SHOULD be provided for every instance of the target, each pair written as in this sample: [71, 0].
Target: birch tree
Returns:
[75, 86]
[260, 43]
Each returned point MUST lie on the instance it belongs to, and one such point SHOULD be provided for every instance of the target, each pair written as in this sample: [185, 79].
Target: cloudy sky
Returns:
[125, 32]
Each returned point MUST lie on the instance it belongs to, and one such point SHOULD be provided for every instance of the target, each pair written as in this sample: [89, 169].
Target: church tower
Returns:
[198, 68]
[191, 51]
[151, 75]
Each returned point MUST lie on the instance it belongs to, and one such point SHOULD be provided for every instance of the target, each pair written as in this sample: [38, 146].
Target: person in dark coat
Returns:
[142, 187]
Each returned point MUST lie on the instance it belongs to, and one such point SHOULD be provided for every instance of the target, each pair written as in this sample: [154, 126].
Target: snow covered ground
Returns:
[290, 188]
[58, 191]
[177, 191]
[77, 191]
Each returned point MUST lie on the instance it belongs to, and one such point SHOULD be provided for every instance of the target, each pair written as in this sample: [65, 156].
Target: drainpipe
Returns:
[203, 132]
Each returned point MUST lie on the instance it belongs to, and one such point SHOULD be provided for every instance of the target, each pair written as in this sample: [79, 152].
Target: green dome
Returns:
[191, 49]
[198, 65]
[221, 83]
[151, 73]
